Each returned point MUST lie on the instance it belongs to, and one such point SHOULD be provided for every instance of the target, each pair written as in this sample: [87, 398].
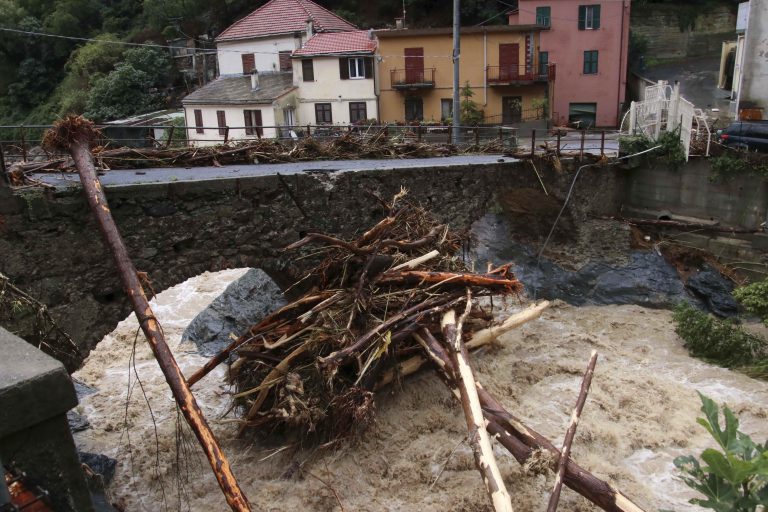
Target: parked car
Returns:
[750, 135]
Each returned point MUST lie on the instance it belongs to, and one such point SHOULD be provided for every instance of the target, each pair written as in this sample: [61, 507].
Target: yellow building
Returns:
[508, 75]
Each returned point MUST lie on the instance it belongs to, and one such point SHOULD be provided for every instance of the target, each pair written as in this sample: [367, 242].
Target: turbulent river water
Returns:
[640, 414]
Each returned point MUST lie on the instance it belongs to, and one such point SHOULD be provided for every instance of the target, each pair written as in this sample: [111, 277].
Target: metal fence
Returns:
[569, 142]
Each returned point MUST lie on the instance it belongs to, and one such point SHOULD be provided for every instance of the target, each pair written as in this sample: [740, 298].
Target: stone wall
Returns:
[51, 246]
[660, 26]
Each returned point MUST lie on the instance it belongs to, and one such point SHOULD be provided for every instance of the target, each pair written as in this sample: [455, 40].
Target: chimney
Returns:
[399, 23]
[255, 80]
[370, 34]
[310, 28]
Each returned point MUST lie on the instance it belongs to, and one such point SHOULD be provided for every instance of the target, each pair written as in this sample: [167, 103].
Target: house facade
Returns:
[501, 64]
[588, 42]
[264, 39]
[334, 76]
[745, 63]
[240, 107]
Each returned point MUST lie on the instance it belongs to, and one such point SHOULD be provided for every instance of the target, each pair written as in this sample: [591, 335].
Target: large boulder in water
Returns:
[715, 290]
[242, 304]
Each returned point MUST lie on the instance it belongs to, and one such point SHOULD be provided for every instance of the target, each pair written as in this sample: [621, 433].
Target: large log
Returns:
[478, 435]
[76, 134]
[522, 441]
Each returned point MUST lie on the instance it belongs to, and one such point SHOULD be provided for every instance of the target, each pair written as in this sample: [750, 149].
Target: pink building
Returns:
[587, 40]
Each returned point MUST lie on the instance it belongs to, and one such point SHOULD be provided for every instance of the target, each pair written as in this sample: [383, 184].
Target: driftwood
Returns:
[522, 441]
[478, 435]
[676, 224]
[565, 453]
[76, 134]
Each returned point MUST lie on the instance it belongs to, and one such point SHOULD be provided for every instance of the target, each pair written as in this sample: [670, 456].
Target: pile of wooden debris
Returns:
[374, 310]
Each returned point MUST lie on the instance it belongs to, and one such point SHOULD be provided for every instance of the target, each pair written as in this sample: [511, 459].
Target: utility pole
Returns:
[456, 55]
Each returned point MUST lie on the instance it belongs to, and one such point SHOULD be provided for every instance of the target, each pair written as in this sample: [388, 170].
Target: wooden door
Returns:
[414, 65]
[509, 61]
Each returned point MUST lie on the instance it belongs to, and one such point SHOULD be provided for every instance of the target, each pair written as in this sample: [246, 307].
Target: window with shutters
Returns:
[543, 16]
[221, 118]
[253, 123]
[249, 62]
[199, 121]
[589, 17]
[323, 113]
[307, 70]
[358, 111]
[356, 67]
[285, 61]
[590, 62]
[543, 63]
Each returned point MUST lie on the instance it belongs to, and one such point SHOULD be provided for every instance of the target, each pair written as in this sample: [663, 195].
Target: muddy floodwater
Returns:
[640, 414]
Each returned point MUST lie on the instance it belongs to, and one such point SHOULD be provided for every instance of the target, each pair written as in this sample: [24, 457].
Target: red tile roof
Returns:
[338, 42]
[284, 16]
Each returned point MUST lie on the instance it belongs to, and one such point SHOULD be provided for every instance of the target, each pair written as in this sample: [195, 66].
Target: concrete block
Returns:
[33, 385]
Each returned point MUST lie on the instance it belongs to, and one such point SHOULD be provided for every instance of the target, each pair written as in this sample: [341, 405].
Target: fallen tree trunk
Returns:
[522, 441]
[565, 453]
[76, 134]
[478, 435]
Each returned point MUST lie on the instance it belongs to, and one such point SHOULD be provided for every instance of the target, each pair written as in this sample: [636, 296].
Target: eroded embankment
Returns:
[640, 415]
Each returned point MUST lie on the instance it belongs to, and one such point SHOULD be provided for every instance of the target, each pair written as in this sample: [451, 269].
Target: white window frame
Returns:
[589, 17]
[356, 68]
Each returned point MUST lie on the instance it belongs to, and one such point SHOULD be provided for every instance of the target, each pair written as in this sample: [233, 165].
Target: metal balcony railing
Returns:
[412, 78]
[519, 74]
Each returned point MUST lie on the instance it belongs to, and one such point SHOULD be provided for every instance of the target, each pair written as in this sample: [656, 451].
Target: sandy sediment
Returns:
[640, 415]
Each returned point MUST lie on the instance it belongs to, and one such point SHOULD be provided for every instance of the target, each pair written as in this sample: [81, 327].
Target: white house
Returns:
[240, 107]
[264, 39]
[334, 73]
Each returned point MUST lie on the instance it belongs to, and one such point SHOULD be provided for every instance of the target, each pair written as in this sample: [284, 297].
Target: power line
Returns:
[168, 47]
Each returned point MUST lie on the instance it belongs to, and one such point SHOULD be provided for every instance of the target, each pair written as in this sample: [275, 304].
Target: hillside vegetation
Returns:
[42, 78]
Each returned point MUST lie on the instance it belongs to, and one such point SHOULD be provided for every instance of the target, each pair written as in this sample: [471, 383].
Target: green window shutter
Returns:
[596, 14]
[582, 16]
[344, 68]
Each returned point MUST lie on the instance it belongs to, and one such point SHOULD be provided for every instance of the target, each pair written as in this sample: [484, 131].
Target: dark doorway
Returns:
[511, 109]
[414, 108]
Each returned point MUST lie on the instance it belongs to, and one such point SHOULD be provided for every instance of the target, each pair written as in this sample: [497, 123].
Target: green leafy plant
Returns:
[728, 166]
[671, 150]
[471, 114]
[721, 342]
[630, 144]
[754, 297]
[734, 478]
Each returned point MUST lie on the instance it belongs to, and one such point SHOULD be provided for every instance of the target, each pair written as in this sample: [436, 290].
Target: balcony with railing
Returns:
[519, 75]
[409, 79]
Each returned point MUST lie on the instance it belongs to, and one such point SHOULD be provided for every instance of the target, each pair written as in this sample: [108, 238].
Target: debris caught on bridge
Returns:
[372, 311]
[350, 145]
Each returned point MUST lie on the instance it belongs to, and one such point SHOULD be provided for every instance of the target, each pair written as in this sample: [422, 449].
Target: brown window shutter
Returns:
[199, 121]
[257, 123]
[249, 62]
[221, 117]
[248, 122]
[344, 68]
[285, 61]
[368, 67]
[308, 70]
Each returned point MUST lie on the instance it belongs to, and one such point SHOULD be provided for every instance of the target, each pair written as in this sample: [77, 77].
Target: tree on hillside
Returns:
[133, 87]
